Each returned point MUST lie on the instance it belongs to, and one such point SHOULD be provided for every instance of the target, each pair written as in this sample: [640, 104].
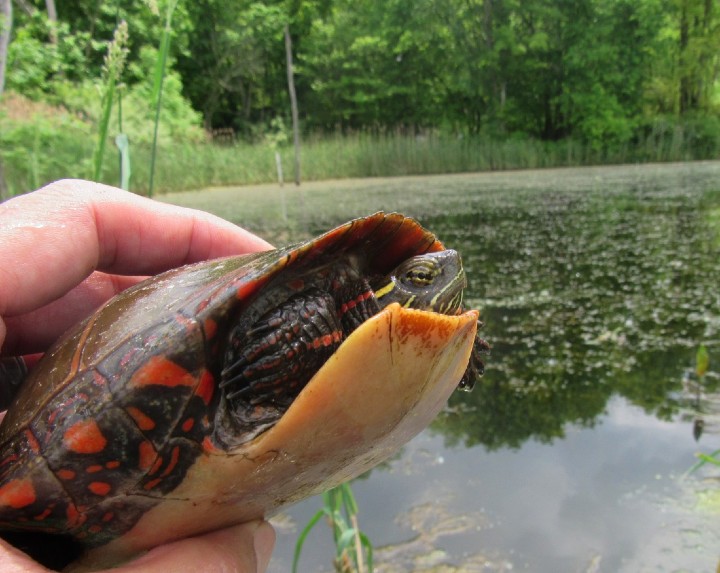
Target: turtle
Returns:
[221, 391]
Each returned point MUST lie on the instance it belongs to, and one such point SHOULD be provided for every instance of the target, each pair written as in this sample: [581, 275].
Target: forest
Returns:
[611, 76]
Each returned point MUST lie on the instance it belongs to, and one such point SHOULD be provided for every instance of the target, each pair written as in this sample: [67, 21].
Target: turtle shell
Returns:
[111, 438]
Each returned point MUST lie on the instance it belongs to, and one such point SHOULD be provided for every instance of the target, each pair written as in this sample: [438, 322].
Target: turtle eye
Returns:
[420, 277]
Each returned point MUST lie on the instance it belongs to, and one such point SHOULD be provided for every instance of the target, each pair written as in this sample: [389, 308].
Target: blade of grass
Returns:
[159, 79]
[303, 536]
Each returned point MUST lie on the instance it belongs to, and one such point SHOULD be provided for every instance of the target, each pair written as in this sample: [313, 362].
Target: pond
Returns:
[597, 287]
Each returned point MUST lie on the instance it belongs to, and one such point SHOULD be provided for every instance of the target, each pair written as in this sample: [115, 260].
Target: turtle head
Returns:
[432, 281]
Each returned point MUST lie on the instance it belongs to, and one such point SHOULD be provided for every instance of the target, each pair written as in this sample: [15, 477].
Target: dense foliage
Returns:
[601, 71]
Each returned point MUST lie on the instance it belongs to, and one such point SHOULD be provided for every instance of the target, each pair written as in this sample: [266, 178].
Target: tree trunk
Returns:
[293, 103]
[4, 192]
[5, 29]
[52, 17]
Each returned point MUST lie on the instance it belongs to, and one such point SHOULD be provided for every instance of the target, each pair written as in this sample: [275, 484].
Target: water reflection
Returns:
[585, 296]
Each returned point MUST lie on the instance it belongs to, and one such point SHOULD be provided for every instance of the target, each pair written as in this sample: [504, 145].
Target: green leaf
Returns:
[303, 535]
[702, 361]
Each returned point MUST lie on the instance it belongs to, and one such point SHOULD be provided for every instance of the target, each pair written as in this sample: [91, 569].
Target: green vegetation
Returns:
[385, 88]
[353, 549]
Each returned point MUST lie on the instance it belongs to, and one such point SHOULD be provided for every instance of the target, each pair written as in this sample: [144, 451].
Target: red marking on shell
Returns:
[174, 457]
[84, 437]
[74, 517]
[94, 469]
[95, 528]
[66, 474]
[112, 465]
[17, 493]
[188, 424]
[210, 328]
[99, 379]
[32, 442]
[99, 487]
[143, 421]
[43, 515]
[147, 455]
[128, 356]
[161, 371]
[206, 387]
[152, 483]
[107, 517]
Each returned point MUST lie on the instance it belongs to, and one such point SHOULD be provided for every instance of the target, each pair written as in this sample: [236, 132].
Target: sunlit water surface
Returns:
[597, 287]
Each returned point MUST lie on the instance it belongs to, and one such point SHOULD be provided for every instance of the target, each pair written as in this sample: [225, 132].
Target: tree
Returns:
[5, 29]
[699, 46]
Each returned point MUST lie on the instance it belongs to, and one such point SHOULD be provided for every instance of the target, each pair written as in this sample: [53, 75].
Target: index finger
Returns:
[55, 237]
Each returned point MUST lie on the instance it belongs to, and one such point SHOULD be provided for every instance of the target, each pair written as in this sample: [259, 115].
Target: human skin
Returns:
[66, 249]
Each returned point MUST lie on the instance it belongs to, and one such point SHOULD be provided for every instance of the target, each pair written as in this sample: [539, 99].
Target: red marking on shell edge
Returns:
[94, 469]
[143, 421]
[107, 517]
[174, 457]
[208, 446]
[43, 515]
[156, 466]
[159, 370]
[17, 493]
[74, 517]
[95, 528]
[247, 288]
[210, 328]
[188, 424]
[8, 460]
[147, 455]
[297, 284]
[99, 488]
[152, 483]
[114, 464]
[206, 387]
[84, 437]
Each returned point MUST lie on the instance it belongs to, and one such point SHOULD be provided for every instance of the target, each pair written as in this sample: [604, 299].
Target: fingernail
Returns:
[264, 542]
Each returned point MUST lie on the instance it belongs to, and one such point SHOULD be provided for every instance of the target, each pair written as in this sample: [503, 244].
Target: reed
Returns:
[36, 151]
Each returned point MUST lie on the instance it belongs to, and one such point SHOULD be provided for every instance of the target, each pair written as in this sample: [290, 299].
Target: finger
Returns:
[53, 238]
[36, 330]
[242, 549]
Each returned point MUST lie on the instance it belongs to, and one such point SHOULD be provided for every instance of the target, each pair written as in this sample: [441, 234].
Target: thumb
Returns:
[242, 548]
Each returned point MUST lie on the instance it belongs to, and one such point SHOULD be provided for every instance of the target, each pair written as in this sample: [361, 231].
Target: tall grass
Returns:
[35, 152]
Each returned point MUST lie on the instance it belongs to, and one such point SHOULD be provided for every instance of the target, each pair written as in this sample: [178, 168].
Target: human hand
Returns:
[243, 548]
[68, 248]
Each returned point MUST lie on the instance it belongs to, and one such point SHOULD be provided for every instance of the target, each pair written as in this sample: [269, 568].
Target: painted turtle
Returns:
[217, 392]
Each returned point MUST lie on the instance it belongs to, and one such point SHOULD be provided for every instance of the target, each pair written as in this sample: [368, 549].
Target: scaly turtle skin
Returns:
[217, 392]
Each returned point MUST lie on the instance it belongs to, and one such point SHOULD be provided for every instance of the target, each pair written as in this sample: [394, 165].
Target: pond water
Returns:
[597, 287]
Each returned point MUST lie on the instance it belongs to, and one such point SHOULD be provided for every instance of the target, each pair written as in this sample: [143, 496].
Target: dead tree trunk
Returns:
[293, 103]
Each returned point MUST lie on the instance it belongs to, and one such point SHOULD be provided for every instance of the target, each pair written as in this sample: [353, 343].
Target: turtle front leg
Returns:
[476, 366]
[274, 359]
